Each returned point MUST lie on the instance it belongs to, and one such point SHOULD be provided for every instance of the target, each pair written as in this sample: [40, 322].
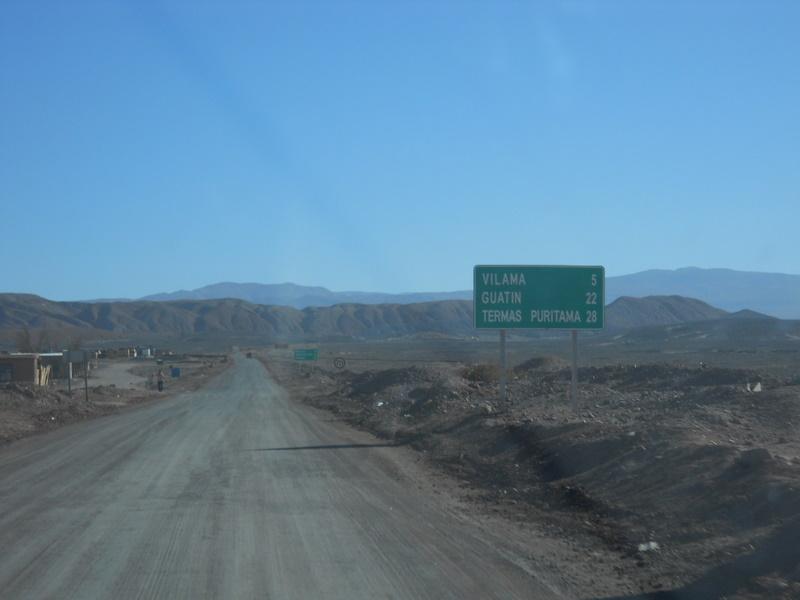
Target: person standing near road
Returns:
[160, 380]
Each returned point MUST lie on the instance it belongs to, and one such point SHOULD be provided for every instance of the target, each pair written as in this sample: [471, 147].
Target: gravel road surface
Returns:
[234, 491]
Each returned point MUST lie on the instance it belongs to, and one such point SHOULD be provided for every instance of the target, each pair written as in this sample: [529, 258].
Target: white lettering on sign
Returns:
[501, 297]
[555, 316]
[499, 279]
[502, 316]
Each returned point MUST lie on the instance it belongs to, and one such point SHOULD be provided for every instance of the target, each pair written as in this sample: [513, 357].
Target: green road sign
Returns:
[306, 354]
[538, 297]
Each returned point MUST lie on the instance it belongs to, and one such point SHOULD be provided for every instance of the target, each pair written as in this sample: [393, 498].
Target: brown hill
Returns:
[190, 317]
[628, 312]
[220, 317]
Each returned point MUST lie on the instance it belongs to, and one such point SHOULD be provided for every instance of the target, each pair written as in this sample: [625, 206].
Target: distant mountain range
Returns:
[775, 294]
[770, 293]
[300, 296]
[182, 318]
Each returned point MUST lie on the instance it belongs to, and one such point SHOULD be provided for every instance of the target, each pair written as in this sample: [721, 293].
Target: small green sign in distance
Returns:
[539, 297]
[306, 354]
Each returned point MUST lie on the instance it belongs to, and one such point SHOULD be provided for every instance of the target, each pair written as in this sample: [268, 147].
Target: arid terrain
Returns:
[199, 321]
[680, 471]
[114, 385]
[677, 476]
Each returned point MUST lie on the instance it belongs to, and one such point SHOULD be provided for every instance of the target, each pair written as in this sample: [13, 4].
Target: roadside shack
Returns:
[27, 368]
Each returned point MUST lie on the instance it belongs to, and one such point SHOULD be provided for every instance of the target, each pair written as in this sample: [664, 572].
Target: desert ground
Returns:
[677, 476]
[113, 385]
[680, 471]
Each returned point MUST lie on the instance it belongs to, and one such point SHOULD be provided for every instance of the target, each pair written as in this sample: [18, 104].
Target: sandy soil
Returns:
[114, 385]
[118, 373]
[236, 491]
[675, 477]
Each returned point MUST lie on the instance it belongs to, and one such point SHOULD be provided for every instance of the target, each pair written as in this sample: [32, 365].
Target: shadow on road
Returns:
[324, 447]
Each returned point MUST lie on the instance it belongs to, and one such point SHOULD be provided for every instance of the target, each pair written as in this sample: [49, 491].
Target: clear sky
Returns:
[389, 146]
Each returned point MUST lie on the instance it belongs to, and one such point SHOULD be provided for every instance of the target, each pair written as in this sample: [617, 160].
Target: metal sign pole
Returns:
[569, 298]
[503, 365]
[86, 376]
[574, 383]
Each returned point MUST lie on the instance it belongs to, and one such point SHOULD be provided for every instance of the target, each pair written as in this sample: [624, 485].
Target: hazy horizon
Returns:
[112, 297]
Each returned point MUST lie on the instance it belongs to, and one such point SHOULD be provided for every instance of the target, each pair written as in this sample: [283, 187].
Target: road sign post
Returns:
[303, 354]
[539, 297]
[573, 387]
[86, 375]
[503, 368]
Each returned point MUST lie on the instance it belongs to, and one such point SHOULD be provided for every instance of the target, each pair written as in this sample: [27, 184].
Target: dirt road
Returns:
[235, 492]
[118, 373]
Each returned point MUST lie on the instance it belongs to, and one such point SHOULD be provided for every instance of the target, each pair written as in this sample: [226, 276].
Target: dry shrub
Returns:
[482, 373]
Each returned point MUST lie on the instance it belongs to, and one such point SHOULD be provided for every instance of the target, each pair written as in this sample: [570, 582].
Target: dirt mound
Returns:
[24, 390]
[26, 409]
[717, 376]
[540, 363]
[482, 373]
[373, 382]
[668, 377]
[680, 455]
[425, 401]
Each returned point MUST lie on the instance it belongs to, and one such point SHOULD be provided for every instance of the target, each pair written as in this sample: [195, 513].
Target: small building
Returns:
[24, 368]
[55, 361]
[123, 352]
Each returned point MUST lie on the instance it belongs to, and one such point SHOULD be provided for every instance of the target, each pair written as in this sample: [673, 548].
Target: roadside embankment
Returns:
[668, 472]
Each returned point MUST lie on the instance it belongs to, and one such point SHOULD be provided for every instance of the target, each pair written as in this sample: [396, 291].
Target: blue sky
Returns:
[152, 146]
